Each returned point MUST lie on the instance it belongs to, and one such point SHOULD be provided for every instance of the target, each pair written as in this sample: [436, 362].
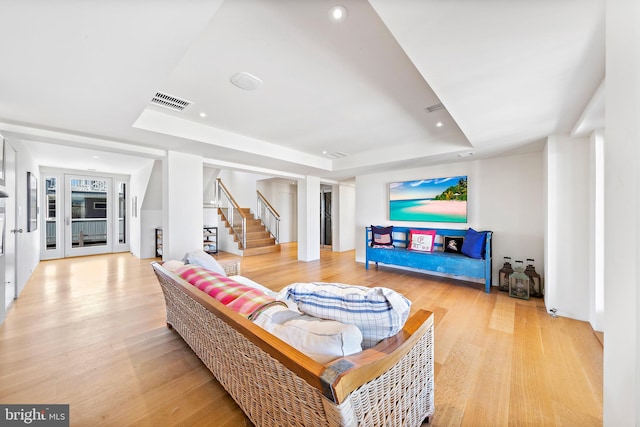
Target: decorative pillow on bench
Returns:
[382, 236]
[474, 243]
[453, 244]
[421, 240]
[378, 312]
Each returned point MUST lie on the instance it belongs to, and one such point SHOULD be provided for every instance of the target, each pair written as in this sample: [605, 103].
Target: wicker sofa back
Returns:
[390, 384]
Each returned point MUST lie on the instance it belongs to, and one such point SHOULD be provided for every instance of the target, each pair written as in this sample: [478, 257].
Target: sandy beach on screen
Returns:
[450, 207]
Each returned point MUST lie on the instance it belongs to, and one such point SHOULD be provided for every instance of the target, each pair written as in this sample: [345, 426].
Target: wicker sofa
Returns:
[390, 384]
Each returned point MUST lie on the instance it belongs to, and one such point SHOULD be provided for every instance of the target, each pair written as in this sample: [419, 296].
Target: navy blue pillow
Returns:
[382, 236]
[474, 243]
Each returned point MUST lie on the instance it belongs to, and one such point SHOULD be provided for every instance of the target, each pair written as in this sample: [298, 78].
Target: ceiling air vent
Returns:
[171, 102]
[336, 155]
[434, 107]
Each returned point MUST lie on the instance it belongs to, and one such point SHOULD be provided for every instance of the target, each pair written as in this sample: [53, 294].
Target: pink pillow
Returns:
[421, 240]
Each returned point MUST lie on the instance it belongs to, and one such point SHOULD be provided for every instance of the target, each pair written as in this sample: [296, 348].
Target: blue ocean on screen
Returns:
[426, 210]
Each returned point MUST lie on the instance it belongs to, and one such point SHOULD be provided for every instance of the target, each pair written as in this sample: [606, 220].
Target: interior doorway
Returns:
[326, 218]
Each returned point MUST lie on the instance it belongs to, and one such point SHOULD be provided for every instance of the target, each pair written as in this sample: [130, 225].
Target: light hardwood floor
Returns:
[91, 332]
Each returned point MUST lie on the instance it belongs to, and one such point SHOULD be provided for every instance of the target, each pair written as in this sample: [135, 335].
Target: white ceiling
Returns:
[509, 73]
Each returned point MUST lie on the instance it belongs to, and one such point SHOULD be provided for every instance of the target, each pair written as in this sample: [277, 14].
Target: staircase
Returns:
[259, 240]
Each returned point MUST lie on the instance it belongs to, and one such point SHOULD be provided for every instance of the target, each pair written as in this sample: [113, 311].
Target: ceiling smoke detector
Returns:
[246, 81]
[169, 101]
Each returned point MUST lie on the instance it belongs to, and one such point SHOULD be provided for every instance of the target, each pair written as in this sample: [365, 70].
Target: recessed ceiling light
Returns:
[439, 124]
[95, 157]
[338, 13]
[203, 115]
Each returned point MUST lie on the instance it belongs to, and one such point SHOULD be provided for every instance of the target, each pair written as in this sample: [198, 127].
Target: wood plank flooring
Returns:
[90, 332]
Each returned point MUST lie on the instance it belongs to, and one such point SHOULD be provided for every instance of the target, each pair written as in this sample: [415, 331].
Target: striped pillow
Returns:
[378, 312]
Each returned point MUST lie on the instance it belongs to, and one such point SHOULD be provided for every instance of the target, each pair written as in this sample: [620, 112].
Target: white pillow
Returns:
[204, 260]
[322, 340]
[378, 312]
[248, 282]
[172, 265]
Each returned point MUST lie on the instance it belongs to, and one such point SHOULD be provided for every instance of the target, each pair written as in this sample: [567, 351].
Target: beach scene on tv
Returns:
[436, 200]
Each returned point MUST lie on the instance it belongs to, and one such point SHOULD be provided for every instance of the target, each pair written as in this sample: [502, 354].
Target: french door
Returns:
[85, 215]
[88, 216]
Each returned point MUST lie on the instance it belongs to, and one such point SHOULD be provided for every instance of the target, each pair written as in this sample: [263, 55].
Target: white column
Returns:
[181, 204]
[344, 236]
[567, 226]
[596, 227]
[309, 218]
[621, 394]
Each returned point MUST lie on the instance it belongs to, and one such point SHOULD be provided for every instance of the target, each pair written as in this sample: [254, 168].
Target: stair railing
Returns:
[232, 213]
[269, 216]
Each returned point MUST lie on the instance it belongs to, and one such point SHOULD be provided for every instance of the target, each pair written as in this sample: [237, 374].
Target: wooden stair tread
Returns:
[258, 239]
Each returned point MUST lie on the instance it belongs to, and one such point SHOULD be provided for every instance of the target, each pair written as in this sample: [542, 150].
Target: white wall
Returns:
[146, 188]
[242, 186]
[209, 178]
[283, 196]
[621, 389]
[505, 196]
[150, 212]
[182, 204]
[567, 231]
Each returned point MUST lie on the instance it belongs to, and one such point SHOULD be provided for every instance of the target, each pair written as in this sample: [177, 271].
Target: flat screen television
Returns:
[432, 200]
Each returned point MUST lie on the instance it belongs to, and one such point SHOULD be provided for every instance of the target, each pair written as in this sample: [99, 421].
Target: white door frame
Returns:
[8, 258]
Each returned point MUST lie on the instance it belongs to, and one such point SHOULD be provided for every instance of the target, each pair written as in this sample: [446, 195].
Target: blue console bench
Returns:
[441, 262]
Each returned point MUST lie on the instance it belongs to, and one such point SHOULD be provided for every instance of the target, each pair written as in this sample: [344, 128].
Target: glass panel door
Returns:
[122, 213]
[51, 213]
[122, 226]
[88, 215]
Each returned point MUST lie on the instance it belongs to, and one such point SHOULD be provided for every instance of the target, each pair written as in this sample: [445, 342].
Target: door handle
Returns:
[19, 230]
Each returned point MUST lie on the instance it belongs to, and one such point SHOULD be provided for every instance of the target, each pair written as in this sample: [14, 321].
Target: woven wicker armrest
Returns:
[373, 362]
